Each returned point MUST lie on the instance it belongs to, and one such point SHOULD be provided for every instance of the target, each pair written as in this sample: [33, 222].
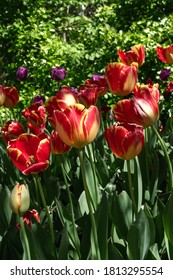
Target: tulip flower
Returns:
[35, 115]
[165, 73]
[77, 126]
[22, 73]
[11, 130]
[98, 82]
[125, 140]
[58, 73]
[28, 217]
[12, 97]
[136, 54]
[57, 145]
[165, 54]
[140, 110]
[38, 98]
[20, 199]
[121, 78]
[2, 96]
[88, 96]
[29, 154]
[148, 89]
[63, 98]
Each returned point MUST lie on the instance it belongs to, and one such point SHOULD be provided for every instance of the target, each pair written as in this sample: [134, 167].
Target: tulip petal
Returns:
[36, 168]
[43, 150]
[17, 157]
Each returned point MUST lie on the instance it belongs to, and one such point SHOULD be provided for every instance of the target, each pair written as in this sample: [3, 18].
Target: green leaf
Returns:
[63, 249]
[121, 213]
[167, 219]
[139, 237]
[113, 252]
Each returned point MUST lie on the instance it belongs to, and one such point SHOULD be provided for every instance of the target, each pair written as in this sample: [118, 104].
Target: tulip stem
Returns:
[25, 239]
[131, 188]
[72, 211]
[45, 207]
[96, 253]
[162, 143]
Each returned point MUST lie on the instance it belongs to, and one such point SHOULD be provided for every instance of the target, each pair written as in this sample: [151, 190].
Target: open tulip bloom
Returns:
[29, 154]
[77, 126]
[165, 54]
[136, 54]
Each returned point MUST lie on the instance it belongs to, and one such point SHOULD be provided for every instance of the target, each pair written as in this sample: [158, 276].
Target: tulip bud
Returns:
[20, 199]
[165, 73]
[58, 74]
[22, 73]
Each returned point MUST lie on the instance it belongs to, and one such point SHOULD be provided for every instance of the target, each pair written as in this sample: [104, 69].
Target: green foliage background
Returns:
[82, 36]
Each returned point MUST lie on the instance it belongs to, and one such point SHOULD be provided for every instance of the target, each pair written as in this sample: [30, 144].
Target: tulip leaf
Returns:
[137, 183]
[113, 252]
[121, 213]
[139, 237]
[167, 219]
[5, 210]
[63, 249]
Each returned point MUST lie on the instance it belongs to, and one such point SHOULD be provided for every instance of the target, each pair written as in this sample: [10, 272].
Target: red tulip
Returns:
[35, 115]
[2, 95]
[121, 78]
[76, 125]
[88, 96]
[29, 154]
[148, 89]
[98, 82]
[136, 54]
[140, 110]
[63, 98]
[57, 145]
[125, 140]
[12, 97]
[11, 130]
[28, 217]
[165, 54]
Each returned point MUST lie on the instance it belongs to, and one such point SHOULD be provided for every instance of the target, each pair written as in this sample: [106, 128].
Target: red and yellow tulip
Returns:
[11, 130]
[29, 154]
[136, 54]
[125, 140]
[57, 145]
[165, 54]
[77, 126]
[140, 110]
[11, 97]
[121, 78]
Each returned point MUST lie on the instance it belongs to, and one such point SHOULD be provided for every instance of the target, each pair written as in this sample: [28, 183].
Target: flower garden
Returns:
[86, 159]
[90, 181]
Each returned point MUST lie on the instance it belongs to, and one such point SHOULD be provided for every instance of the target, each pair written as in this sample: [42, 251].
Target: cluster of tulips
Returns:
[72, 118]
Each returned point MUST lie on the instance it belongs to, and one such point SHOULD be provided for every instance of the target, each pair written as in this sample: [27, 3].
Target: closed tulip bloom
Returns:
[57, 145]
[121, 78]
[29, 153]
[148, 89]
[140, 110]
[22, 73]
[11, 130]
[125, 140]
[20, 199]
[58, 73]
[2, 96]
[165, 54]
[88, 96]
[77, 126]
[136, 54]
[12, 97]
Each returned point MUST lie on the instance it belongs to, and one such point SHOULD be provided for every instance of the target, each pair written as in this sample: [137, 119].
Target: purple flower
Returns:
[165, 73]
[22, 73]
[38, 98]
[97, 77]
[58, 73]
